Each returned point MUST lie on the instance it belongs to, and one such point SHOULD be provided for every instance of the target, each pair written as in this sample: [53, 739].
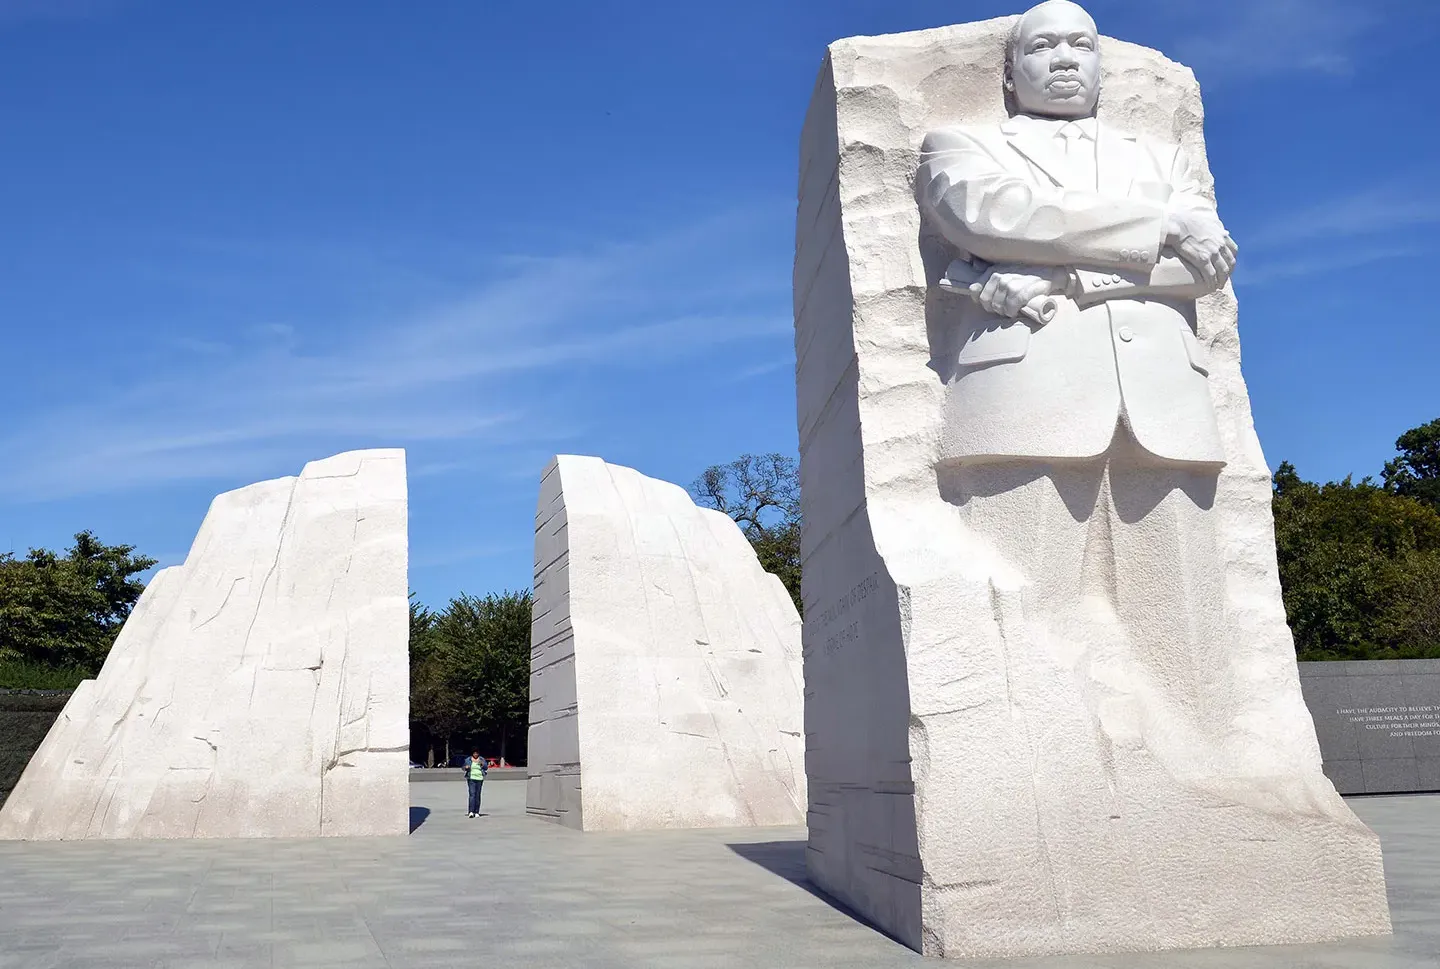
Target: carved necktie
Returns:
[1079, 151]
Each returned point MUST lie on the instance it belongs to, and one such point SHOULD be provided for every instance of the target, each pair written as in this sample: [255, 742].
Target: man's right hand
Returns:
[1198, 237]
[1005, 290]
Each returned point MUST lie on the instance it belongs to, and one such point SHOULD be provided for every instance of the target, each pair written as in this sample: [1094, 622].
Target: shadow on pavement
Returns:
[787, 859]
[417, 817]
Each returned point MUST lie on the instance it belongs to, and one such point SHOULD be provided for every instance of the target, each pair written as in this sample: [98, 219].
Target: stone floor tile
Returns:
[511, 892]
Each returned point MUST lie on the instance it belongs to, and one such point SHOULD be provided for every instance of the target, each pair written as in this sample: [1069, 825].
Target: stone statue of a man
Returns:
[1054, 202]
[1065, 715]
[1086, 448]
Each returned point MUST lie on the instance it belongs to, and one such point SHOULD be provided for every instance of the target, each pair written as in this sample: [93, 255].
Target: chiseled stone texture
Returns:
[983, 781]
[261, 689]
[665, 685]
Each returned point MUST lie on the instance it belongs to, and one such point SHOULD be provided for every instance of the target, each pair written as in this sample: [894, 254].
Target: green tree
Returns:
[761, 494]
[470, 670]
[486, 643]
[1416, 472]
[66, 610]
[1360, 569]
[434, 704]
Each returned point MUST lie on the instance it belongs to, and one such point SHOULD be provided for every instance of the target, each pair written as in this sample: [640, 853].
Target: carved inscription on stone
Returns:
[842, 610]
[1423, 721]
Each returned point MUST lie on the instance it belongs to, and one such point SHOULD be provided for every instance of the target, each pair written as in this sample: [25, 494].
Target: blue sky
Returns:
[242, 236]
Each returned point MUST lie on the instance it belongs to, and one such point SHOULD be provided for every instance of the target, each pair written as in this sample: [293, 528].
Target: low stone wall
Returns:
[25, 718]
[1378, 722]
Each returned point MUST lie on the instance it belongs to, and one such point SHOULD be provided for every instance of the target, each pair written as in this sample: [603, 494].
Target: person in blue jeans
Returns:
[475, 768]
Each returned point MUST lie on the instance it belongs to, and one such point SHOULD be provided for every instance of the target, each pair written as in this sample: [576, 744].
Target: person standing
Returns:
[475, 769]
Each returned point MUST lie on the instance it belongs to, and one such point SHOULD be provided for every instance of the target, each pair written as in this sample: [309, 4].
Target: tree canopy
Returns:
[1360, 563]
[761, 493]
[1416, 472]
[65, 610]
[470, 670]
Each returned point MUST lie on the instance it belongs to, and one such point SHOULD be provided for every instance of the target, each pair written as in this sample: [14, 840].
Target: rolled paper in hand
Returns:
[964, 277]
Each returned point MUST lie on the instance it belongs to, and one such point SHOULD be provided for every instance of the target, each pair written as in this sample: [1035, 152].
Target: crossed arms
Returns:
[1043, 240]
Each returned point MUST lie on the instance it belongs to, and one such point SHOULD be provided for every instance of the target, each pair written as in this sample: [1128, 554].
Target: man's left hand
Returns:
[1197, 236]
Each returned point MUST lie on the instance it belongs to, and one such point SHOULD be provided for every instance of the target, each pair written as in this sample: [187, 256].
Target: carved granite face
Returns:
[1055, 61]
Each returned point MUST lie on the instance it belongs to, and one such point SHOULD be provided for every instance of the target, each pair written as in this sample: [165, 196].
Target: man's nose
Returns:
[1064, 56]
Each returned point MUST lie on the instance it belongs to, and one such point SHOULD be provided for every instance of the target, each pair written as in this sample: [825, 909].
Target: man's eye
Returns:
[1039, 45]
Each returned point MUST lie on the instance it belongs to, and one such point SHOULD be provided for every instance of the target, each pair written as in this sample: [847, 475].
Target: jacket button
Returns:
[1125, 333]
[1115, 278]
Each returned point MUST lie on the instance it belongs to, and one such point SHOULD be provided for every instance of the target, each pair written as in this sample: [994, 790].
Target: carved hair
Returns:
[1011, 42]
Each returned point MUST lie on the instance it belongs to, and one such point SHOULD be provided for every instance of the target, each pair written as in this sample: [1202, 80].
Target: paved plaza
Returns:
[505, 891]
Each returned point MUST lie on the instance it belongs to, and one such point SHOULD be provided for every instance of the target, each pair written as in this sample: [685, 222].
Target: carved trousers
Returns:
[1115, 572]
[1111, 753]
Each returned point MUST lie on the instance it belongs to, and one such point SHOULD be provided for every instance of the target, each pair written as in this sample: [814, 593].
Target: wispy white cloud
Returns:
[1264, 272]
[479, 368]
[1400, 203]
[438, 558]
[1251, 38]
[760, 370]
[431, 469]
[1232, 41]
[1345, 231]
[208, 347]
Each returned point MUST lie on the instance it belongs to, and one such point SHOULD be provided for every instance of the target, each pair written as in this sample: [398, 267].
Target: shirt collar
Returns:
[1053, 126]
[1086, 126]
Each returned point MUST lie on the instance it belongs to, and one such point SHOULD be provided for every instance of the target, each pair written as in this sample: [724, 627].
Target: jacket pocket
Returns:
[994, 341]
[1199, 359]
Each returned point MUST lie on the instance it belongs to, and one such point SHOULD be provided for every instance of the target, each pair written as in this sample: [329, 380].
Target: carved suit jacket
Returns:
[1123, 348]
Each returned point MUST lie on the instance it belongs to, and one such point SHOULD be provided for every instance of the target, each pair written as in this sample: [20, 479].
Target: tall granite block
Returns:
[1001, 760]
[665, 685]
[261, 689]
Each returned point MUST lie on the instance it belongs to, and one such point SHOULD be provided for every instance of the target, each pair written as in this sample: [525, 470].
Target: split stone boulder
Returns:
[261, 689]
[665, 686]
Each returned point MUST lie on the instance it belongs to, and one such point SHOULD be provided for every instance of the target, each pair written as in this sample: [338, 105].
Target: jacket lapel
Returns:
[1114, 155]
[1035, 144]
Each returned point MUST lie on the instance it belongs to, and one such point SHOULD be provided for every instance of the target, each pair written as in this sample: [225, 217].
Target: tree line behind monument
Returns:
[1359, 566]
[1360, 561]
